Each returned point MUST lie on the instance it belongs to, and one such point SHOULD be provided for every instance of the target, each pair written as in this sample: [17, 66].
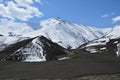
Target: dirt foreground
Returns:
[83, 68]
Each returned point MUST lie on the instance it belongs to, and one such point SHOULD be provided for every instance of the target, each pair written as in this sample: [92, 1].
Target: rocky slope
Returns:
[34, 49]
[103, 46]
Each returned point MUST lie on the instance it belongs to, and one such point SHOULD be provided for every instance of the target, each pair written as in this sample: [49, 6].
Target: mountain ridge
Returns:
[58, 30]
[34, 49]
[63, 34]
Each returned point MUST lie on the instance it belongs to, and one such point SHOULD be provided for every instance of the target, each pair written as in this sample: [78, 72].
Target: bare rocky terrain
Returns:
[101, 77]
[90, 67]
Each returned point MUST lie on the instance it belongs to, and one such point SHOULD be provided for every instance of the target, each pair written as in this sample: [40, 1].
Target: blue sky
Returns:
[97, 13]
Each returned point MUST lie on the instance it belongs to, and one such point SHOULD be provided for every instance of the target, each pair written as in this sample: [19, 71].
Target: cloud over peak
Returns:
[116, 19]
[20, 9]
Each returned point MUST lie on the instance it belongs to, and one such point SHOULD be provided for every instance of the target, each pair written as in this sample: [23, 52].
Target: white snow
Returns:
[65, 33]
[34, 59]
[59, 31]
[8, 40]
[11, 32]
[2, 39]
[115, 32]
[33, 52]
[11, 40]
[101, 41]
[91, 49]
[64, 58]
[118, 49]
[104, 48]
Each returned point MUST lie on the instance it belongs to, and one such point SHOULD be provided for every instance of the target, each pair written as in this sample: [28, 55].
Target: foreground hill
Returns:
[33, 49]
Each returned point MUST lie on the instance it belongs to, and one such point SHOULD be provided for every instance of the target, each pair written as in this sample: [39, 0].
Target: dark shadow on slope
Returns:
[50, 49]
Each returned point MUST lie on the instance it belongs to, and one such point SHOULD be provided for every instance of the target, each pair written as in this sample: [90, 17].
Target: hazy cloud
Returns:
[107, 15]
[104, 16]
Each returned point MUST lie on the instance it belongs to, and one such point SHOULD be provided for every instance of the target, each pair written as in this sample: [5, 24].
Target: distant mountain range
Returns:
[55, 37]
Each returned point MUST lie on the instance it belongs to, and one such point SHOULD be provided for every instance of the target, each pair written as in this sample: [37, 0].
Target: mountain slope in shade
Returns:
[65, 33]
[34, 49]
[103, 47]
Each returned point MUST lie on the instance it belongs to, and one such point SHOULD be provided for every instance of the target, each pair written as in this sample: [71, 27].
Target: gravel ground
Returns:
[100, 77]
[83, 68]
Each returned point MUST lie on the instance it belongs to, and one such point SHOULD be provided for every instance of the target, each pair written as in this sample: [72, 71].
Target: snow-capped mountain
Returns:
[10, 32]
[103, 46]
[5, 41]
[109, 44]
[114, 32]
[65, 33]
[34, 49]
[25, 44]
[111, 32]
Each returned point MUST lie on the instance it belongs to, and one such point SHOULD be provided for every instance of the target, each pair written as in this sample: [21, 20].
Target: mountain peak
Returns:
[65, 33]
[56, 19]
[53, 22]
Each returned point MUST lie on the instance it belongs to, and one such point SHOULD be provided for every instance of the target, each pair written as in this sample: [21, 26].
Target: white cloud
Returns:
[24, 3]
[7, 26]
[39, 1]
[104, 16]
[107, 15]
[116, 19]
[20, 9]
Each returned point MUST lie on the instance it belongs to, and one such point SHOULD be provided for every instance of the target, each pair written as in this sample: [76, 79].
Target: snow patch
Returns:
[64, 58]
[102, 41]
[33, 52]
[34, 59]
[118, 49]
